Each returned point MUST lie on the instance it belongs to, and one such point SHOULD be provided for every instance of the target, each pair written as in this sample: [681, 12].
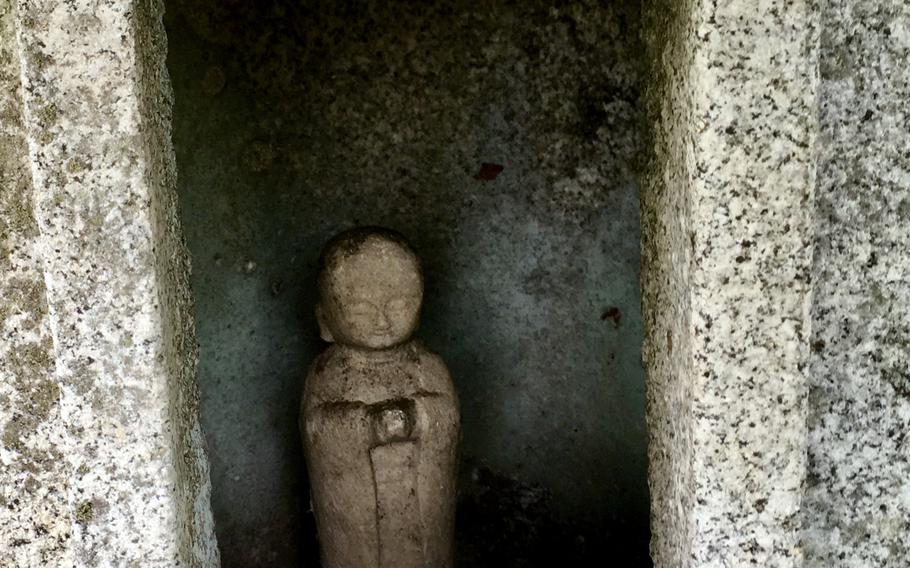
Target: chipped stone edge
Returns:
[198, 545]
[666, 298]
[187, 484]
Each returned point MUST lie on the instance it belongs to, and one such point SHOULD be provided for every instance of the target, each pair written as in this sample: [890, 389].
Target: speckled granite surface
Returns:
[34, 521]
[97, 113]
[858, 496]
[728, 218]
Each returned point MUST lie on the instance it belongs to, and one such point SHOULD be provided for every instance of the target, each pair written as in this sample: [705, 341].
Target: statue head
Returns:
[370, 289]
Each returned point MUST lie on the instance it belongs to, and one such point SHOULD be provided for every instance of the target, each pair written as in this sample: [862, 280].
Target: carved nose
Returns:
[382, 321]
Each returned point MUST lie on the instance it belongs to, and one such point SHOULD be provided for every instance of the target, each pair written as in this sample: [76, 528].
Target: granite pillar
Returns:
[34, 515]
[727, 252]
[857, 505]
[100, 430]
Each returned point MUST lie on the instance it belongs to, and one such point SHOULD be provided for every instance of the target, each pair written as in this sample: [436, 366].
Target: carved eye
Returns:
[397, 305]
[361, 309]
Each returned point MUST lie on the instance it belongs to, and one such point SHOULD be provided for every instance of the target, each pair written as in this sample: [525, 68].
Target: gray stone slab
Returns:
[97, 117]
[858, 492]
[727, 226]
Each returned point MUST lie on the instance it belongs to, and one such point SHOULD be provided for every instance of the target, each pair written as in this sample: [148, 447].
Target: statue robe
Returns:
[381, 505]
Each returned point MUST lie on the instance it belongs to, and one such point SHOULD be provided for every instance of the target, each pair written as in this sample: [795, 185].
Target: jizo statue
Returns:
[379, 417]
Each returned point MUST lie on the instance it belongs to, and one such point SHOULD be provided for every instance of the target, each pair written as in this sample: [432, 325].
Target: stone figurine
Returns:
[379, 417]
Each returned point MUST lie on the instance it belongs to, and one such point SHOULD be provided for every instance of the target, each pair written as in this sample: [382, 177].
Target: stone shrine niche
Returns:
[501, 140]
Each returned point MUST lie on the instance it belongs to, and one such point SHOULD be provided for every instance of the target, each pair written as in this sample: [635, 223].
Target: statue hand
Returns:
[393, 421]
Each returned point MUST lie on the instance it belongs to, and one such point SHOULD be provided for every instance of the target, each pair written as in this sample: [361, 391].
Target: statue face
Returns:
[372, 299]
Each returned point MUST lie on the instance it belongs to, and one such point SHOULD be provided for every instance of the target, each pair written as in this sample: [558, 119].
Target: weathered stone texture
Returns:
[666, 303]
[858, 496]
[172, 270]
[34, 520]
[97, 111]
[727, 220]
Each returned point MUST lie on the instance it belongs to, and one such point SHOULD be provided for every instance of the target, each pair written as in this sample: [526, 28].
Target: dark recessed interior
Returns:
[501, 138]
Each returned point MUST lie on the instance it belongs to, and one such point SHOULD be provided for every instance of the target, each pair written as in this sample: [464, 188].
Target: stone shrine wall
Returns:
[102, 459]
[778, 434]
[35, 524]
[857, 505]
[727, 236]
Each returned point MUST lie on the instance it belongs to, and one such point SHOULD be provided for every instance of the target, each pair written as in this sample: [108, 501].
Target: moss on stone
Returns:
[36, 409]
[38, 59]
[31, 358]
[44, 398]
[26, 294]
[48, 114]
[85, 512]
[16, 214]
[12, 436]
[75, 165]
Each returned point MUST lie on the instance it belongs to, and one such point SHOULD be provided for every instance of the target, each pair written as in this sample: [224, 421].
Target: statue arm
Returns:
[436, 404]
[328, 426]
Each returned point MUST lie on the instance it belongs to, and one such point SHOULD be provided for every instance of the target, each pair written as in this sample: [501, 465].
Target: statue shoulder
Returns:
[326, 365]
[432, 368]
[326, 362]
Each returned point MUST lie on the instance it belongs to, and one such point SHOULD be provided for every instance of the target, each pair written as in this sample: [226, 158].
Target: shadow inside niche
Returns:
[294, 120]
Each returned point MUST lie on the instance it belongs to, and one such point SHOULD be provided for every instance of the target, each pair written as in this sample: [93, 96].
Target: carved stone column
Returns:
[35, 523]
[858, 492]
[727, 252]
[100, 417]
